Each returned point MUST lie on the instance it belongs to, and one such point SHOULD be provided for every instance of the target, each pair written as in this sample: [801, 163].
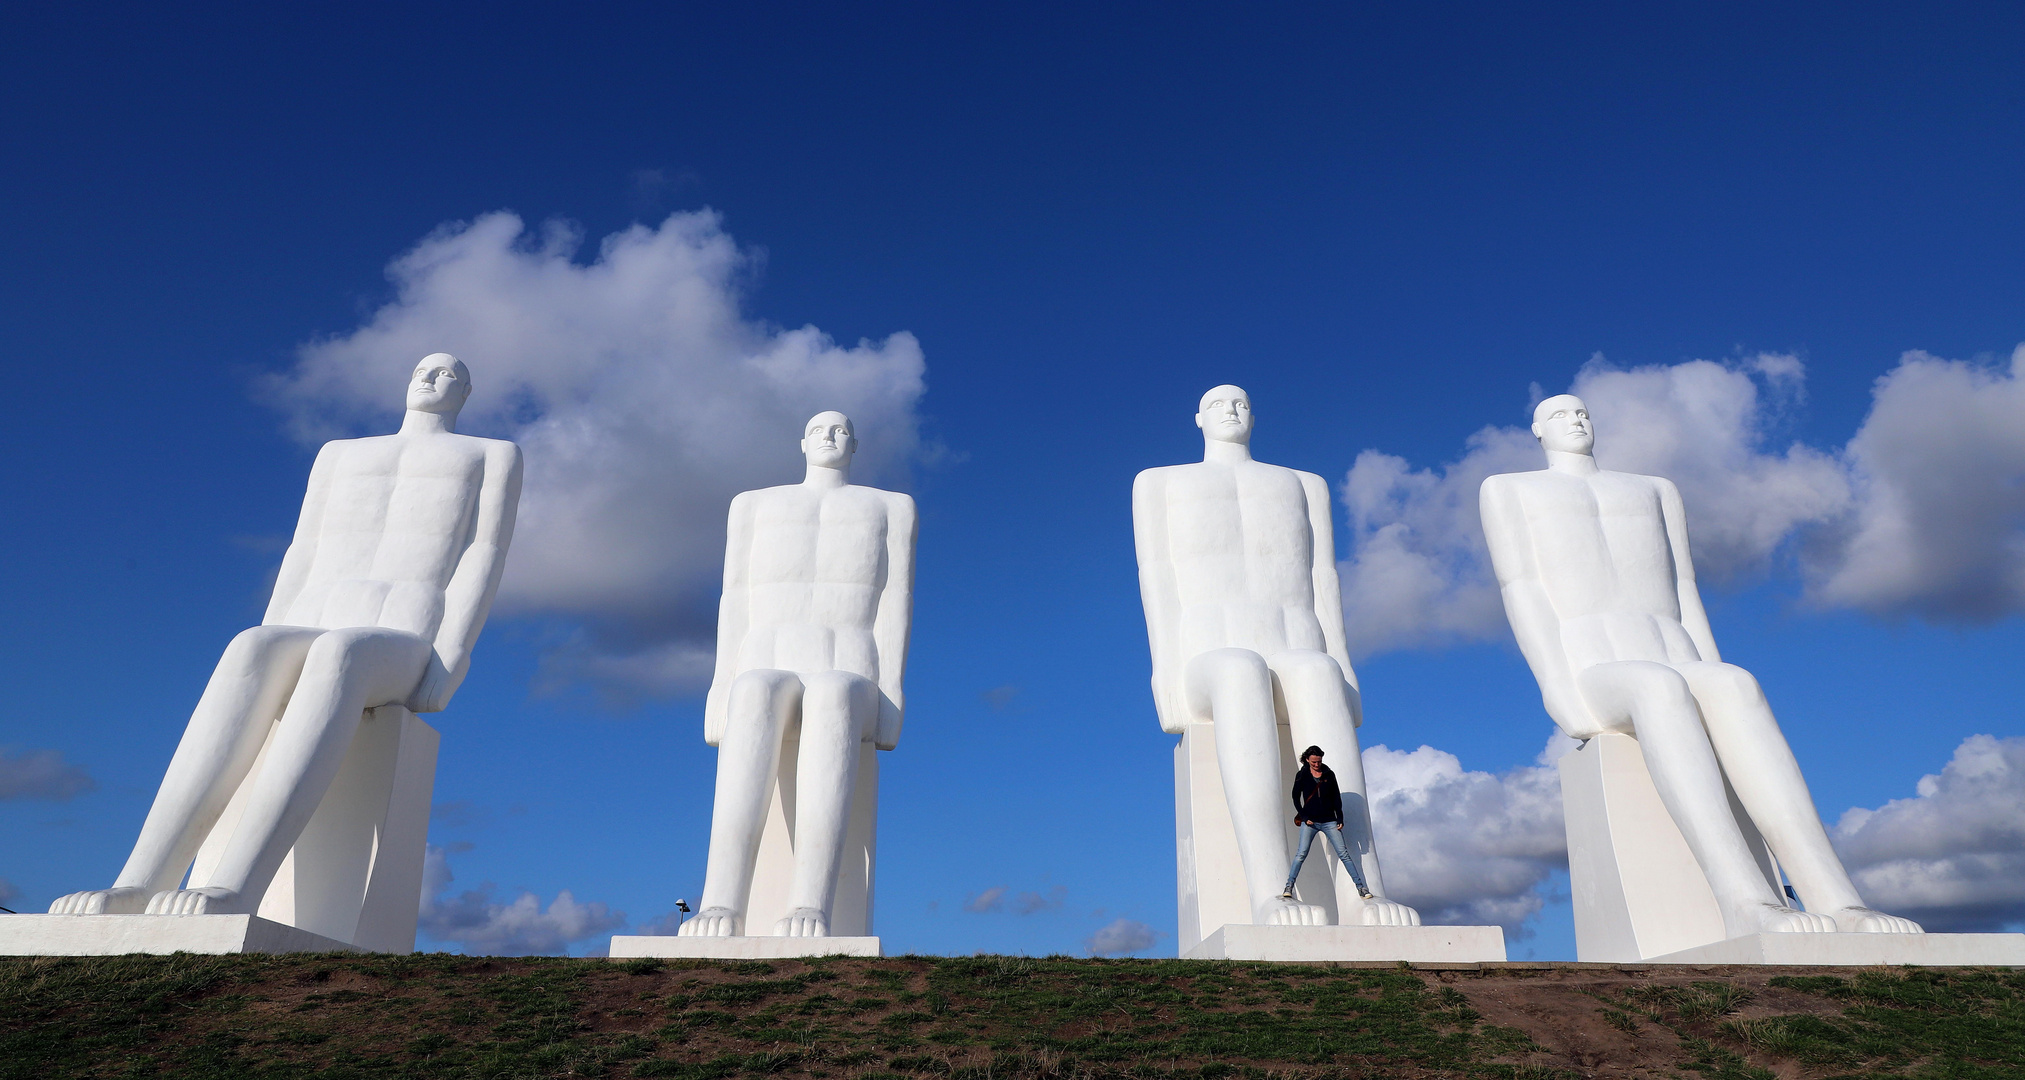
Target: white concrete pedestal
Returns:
[1315, 944]
[1638, 892]
[742, 948]
[118, 935]
[353, 878]
[1925, 950]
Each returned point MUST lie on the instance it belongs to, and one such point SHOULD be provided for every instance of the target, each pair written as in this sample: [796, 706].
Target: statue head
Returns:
[1225, 415]
[828, 441]
[1562, 423]
[440, 385]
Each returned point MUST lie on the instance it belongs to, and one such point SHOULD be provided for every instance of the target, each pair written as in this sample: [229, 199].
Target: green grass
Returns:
[974, 1018]
[1923, 1024]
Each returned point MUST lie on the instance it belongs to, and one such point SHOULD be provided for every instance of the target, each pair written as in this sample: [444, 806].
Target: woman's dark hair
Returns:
[1314, 751]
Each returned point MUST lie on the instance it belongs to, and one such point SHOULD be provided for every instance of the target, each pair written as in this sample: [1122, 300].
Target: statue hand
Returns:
[438, 683]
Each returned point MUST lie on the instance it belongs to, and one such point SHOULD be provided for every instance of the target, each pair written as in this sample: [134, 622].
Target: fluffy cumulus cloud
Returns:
[1464, 847]
[1953, 855]
[41, 774]
[1922, 513]
[644, 399]
[1120, 937]
[1938, 529]
[479, 924]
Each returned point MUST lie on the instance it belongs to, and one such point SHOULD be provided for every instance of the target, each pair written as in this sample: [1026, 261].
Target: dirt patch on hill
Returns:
[987, 1018]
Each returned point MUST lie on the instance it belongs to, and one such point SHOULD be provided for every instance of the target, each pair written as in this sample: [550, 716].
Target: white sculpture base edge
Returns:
[1637, 891]
[119, 935]
[740, 948]
[1925, 950]
[1312, 944]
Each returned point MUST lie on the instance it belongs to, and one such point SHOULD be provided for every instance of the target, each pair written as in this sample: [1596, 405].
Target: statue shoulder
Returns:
[898, 503]
[1155, 478]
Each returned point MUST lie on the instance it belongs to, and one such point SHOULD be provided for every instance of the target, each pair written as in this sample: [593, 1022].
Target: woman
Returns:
[1318, 808]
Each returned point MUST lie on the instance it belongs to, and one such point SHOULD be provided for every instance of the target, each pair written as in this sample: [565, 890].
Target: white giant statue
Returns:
[811, 648]
[1237, 571]
[379, 601]
[1600, 590]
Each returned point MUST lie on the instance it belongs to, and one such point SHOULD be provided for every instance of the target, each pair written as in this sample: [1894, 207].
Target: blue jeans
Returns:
[1333, 832]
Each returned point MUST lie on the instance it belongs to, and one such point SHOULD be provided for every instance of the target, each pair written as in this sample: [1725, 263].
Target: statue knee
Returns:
[258, 644]
[1307, 667]
[834, 691]
[1730, 681]
[1661, 693]
[1222, 666]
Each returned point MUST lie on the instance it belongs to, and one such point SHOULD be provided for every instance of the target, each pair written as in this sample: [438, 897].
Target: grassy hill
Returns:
[990, 1018]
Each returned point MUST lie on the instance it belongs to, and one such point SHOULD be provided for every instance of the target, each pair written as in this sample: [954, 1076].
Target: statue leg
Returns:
[762, 704]
[344, 673]
[1316, 697]
[839, 712]
[1235, 690]
[1768, 782]
[247, 691]
[1654, 700]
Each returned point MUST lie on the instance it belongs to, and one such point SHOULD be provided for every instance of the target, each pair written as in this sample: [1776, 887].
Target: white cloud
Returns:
[41, 774]
[8, 891]
[643, 397]
[1027, 903]
[1466, 848]
[1939, 467]
[1952, 856]
[1121, 936]
[475, 921]
[1922, 513]
[990, 899]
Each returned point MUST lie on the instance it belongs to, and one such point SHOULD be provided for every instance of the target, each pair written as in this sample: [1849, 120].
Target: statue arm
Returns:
[467, 599]
[731, 618]
[1693, 617]
[895, 617]
[1158, 595]
[1535, 623]
[1329, 588]
[301, 553]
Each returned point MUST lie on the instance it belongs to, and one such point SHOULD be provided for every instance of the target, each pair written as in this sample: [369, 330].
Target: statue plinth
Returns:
[741, 948]
[1350, 944]
[120, 935]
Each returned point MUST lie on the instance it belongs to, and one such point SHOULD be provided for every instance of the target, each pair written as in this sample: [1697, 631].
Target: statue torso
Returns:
[815, 570]
[1601, 547]
[1243, 554]
[398, 512]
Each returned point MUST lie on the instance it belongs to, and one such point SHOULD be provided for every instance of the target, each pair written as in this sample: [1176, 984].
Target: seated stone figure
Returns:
[379, 601]
[1600, 590]
[1237, 572]
[811, 643]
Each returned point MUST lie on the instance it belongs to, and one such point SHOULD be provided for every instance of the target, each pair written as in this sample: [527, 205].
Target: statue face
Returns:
[1225, 415]
[1562, 423]
[827, 440]
[440, 385]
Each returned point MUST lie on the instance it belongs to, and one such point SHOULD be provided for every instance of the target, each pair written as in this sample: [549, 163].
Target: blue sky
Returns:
[1392, 226]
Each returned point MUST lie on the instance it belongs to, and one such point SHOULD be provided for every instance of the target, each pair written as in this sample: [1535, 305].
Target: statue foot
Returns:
[208, 900]
[713, 922]
[1862, 920]
[1378, 911]
[129, 900]
[1278, 912]
[803, 922]
[1780, 919]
